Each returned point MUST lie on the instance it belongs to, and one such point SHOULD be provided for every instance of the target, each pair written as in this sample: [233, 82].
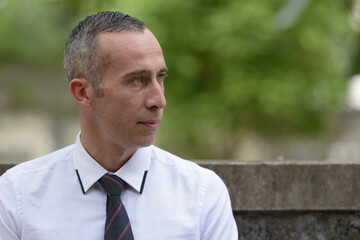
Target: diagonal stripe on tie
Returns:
[113, 217]
[125, 231]
[117, 224]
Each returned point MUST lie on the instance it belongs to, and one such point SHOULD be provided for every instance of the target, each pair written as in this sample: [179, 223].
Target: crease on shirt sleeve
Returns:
[203, 191]
[18, 197]
[10, 219]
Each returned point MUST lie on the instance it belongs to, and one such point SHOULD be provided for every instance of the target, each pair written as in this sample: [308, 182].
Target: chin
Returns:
[145, 142]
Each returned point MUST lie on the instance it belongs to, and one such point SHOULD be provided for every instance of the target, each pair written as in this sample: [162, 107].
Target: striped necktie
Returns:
[117, 225]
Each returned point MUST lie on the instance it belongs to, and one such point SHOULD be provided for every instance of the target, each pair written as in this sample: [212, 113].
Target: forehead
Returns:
[129, 44]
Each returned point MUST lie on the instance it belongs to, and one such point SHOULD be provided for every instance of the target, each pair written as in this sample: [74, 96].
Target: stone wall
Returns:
[287, 200]
[298, 225]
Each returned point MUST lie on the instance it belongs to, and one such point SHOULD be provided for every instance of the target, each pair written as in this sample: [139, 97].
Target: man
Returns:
[112, 183]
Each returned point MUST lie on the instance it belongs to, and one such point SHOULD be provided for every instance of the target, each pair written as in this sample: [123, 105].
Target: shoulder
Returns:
[204, 185]
[42, 163]
[188, 172]
[33, 175]
[174, 162]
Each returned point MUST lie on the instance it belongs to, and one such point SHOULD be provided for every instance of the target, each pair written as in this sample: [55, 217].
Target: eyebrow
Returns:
[164, 69]
[138, 72]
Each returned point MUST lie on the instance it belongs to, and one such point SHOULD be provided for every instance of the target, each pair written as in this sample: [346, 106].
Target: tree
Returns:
[273, 67]
[234, 66]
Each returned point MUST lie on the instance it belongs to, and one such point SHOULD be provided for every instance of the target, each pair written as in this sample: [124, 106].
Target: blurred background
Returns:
[248, 80]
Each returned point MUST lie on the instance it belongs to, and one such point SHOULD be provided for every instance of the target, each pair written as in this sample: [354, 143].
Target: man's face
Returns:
[131, 107]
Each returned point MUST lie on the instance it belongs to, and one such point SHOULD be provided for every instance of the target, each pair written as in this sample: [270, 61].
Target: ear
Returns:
[82, 91]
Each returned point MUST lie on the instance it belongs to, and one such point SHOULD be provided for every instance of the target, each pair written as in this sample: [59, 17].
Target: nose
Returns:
[156, 98]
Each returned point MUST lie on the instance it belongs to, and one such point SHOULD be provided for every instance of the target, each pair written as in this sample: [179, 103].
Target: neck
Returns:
[107, 153]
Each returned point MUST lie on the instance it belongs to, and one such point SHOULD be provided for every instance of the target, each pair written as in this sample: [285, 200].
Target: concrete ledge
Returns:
[275, 186]
[4, 167]
[298, 225]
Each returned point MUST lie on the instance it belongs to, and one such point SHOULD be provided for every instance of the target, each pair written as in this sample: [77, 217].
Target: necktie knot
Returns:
[112, 184]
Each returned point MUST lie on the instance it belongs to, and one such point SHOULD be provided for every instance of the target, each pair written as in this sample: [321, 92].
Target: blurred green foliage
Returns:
[272, 67]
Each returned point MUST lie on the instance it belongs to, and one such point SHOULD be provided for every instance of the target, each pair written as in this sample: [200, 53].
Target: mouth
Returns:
[153, 124]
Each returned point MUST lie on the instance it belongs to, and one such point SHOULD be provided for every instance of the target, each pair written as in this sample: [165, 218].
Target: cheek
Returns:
[125, 110]
[123, 105]
[134, 103]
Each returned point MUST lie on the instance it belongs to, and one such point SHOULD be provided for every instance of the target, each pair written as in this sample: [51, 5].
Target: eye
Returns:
[161, 77]
[137, 80]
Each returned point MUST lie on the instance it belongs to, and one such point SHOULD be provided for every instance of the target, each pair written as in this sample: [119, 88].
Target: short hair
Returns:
[82, 58]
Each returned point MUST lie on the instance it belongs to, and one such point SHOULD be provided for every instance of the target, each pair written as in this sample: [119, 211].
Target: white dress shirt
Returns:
[58, 197]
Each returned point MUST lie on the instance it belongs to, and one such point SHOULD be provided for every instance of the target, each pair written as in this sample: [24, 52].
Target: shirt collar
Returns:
[89, 171]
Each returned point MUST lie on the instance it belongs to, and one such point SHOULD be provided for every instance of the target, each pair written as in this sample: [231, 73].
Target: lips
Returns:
[150, 123]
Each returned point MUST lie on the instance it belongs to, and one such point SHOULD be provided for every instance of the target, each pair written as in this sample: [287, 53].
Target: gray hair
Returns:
[82, 57]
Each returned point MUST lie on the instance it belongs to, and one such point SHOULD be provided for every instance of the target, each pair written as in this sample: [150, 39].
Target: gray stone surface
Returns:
[277, 186]
[298, 225]
[4, 167]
